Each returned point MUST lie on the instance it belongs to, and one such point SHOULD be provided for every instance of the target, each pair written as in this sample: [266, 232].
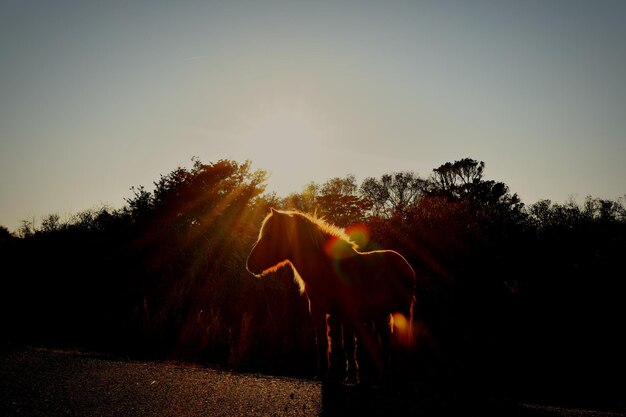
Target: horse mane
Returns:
[318, 230]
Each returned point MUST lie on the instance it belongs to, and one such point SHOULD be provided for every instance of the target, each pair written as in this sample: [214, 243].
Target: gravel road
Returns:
[47, 383]
[40, 382]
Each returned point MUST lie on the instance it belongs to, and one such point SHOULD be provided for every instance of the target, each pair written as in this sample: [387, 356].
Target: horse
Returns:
[347, 290]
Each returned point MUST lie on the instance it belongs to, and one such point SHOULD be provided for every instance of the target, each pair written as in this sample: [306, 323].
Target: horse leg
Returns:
[367, 351]
[349, 346]
[336, 355]
[383, 328]
[321, 341]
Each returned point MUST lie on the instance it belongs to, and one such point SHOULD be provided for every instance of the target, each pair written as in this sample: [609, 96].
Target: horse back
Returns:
[382, 280]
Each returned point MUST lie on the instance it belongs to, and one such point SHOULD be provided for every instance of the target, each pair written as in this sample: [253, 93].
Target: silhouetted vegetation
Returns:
[518, 301]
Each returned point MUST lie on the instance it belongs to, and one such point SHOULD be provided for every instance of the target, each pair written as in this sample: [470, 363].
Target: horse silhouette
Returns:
[349, 292]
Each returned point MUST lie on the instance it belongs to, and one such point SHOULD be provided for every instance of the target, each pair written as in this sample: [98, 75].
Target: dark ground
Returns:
[40, 382]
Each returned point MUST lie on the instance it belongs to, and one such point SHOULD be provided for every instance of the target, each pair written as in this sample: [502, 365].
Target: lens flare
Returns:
[337, 248]
[359, 234]
[401, 328]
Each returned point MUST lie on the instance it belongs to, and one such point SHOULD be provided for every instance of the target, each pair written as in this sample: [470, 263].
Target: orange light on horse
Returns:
[359, 234]
[401, 330]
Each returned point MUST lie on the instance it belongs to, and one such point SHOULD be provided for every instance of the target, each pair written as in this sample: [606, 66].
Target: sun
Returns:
[282, 125]
[283, 137]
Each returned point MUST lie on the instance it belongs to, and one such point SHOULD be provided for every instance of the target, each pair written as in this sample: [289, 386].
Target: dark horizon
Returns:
[508, 294]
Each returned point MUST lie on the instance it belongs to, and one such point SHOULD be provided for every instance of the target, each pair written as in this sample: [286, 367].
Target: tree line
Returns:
[509, 293]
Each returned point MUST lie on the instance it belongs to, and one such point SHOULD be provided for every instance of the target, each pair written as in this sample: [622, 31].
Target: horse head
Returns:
[272, 248]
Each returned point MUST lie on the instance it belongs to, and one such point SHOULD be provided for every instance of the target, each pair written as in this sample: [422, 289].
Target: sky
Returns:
[97, 97]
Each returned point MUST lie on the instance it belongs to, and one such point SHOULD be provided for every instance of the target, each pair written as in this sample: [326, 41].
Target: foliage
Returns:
[505, 291]
[393, 193]
[337, 200]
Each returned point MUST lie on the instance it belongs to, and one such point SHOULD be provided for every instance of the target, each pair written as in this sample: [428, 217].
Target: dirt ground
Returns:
[42, 382]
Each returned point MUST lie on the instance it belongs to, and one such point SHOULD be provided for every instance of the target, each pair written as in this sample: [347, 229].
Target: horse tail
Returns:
[404, 284]
[405, 272]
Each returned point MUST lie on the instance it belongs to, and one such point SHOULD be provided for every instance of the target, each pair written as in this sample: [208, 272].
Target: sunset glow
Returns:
[283, 137]
[395, 207]
[115, 94]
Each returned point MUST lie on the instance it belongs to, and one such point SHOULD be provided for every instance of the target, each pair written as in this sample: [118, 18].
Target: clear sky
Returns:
[99, 96]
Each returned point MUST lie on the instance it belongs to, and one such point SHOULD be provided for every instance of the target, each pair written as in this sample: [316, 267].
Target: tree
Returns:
[50, 223]
[26, 229]
[140, 204]
[463, 181]
[5, 235]
[339, 202]
[194, 198]
[458, 176]
[393, 193]
[305, 201]
[191, 231]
